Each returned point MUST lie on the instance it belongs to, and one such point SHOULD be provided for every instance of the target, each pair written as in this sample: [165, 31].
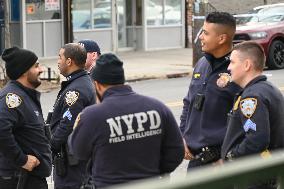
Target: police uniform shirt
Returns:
[257, 121]
[22, 131]
[128, 136]
[76, 93]
[207, 126]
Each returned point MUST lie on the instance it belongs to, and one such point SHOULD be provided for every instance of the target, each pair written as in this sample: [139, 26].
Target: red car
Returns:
[265, 26]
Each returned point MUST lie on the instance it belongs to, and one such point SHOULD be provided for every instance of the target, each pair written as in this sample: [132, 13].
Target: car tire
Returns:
[276, 55]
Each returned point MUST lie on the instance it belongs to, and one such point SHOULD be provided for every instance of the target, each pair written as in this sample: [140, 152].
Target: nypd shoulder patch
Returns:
[13, 100]
[248, 106]
[71, 97]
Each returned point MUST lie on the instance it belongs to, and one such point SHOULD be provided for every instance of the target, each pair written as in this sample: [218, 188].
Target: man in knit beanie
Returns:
[133, 136]
[25, 159]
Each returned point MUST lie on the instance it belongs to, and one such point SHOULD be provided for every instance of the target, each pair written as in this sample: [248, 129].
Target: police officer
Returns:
[203, 127]
[93, 53]
[128, 136]
[256, 122]
[76, 93]
[25, 156]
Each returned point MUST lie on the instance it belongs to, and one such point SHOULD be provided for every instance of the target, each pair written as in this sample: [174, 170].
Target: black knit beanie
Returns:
[108, 70]
[18, 61]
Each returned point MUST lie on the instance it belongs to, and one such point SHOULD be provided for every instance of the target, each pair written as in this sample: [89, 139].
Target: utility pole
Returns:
[7, 39]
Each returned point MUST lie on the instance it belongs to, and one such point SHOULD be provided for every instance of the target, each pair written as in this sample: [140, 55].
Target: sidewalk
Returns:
[148, 65]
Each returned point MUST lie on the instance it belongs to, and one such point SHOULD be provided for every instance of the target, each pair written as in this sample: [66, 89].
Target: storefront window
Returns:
[173, 12]
[154, 12]
[42, 9]
[163, 12]
[102, 14]
[81, 14]
[15, 10]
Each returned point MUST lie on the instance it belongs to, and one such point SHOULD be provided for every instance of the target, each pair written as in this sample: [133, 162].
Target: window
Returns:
[102, 14]
[15, 10]
[173, 12]
[163, 12]
[83, 13]
[42, 9]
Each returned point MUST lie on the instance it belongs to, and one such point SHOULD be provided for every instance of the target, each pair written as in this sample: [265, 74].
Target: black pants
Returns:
[32, 182]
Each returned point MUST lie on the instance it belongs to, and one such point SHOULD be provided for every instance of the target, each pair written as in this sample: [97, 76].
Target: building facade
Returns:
[117, 25]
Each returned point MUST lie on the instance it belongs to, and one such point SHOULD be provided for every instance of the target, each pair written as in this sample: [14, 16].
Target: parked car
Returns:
[266, 27]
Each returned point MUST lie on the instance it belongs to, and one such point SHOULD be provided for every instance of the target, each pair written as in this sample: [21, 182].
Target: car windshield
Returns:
[263, 15]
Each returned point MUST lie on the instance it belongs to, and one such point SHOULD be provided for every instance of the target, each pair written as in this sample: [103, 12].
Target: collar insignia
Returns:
[224, 80]
[13, 100]
[71, 97]
[248, 106]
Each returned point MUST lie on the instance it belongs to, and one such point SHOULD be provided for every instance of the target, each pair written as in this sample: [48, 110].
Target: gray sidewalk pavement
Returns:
[148, 65]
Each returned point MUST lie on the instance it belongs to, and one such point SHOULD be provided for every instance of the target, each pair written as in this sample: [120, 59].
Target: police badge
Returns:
[13, 100]
[71, 97]
[224, 79]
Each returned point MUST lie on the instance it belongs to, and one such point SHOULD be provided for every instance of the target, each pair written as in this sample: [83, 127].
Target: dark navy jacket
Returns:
[22, 131]
[128, 136]
[76, 93]
[207, 127]
[256, 122]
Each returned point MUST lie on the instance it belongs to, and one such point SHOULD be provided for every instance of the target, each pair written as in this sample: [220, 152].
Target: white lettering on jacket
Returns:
[116, 125]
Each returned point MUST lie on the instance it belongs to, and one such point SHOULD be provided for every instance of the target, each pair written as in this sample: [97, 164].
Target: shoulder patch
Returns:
[71, 97]
[13, 100]
[248, 106]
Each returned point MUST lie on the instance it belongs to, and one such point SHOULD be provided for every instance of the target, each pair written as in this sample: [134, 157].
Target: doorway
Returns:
[128, 21]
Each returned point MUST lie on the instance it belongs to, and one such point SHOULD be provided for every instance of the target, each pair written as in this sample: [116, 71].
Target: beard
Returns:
[34, 80]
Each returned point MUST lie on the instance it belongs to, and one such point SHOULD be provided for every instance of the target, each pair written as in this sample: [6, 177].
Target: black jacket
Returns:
[207, 127]
[22, 131]
[76, 93]
[256, 122]
[128, 136]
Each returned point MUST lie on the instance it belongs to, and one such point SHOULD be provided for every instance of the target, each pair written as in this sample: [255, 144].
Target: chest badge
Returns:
[248, 106]
[71, 97]
[13, 100]
[223, 80]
